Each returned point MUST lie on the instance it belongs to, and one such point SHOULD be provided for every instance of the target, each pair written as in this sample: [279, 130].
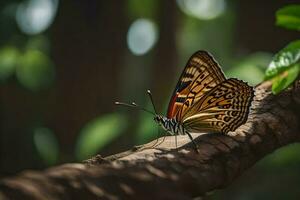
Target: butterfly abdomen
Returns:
[170, 125]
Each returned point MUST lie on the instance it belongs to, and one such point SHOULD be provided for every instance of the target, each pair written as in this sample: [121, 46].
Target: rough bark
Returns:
[165, 173]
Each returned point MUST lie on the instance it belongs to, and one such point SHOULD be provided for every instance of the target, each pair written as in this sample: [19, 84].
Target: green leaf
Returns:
[46, 145]
[289, 17]
[284, 68]
[283, 81]
[98, 133]
[284, 59]
[35, 70]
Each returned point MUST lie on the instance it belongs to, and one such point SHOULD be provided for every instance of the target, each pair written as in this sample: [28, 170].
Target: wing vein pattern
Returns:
[204, 100]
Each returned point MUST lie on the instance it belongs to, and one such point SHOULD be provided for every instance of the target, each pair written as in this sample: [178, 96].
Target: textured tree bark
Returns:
[165, 173]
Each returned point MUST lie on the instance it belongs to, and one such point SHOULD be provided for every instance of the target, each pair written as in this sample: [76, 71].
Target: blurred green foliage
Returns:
[46, 145]
[285, 157]
[251, 68]
[146, 129]
[9, 56]
[38, 43]
[35, 70]
[98, 133]
[144, 9]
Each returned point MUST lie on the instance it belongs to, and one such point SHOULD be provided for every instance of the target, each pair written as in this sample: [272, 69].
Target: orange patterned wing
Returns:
[222, 109]
[201, 74]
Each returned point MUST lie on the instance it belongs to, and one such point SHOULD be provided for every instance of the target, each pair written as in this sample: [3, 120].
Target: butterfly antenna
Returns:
[151, 98]
[133, 105]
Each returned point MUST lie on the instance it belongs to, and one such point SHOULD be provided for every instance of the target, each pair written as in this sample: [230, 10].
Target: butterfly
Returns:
[204, 100]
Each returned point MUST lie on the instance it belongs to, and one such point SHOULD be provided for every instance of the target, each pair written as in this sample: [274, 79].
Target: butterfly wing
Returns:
[222, 109]
[200, 75]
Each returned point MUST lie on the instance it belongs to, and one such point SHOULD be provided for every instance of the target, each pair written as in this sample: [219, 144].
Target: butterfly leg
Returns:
[194, 143]
[164, 137]
[157, 142]
[157, 138]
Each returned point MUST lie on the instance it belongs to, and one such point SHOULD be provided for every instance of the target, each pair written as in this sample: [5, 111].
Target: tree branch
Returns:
[165, 173]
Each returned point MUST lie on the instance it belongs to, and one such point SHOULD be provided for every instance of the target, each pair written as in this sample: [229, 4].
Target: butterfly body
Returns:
[172, 126]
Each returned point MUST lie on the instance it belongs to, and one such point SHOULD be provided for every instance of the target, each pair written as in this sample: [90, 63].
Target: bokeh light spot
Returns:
[202, 9]
[46, 145]
[98, 133]
[8, 61]
[35, 70]
[141, 36]
[35, 16]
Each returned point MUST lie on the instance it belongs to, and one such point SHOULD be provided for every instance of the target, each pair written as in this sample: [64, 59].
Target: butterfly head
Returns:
[159, 119]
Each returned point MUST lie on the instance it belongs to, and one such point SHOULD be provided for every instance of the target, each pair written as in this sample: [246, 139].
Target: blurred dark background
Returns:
[64, 63]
